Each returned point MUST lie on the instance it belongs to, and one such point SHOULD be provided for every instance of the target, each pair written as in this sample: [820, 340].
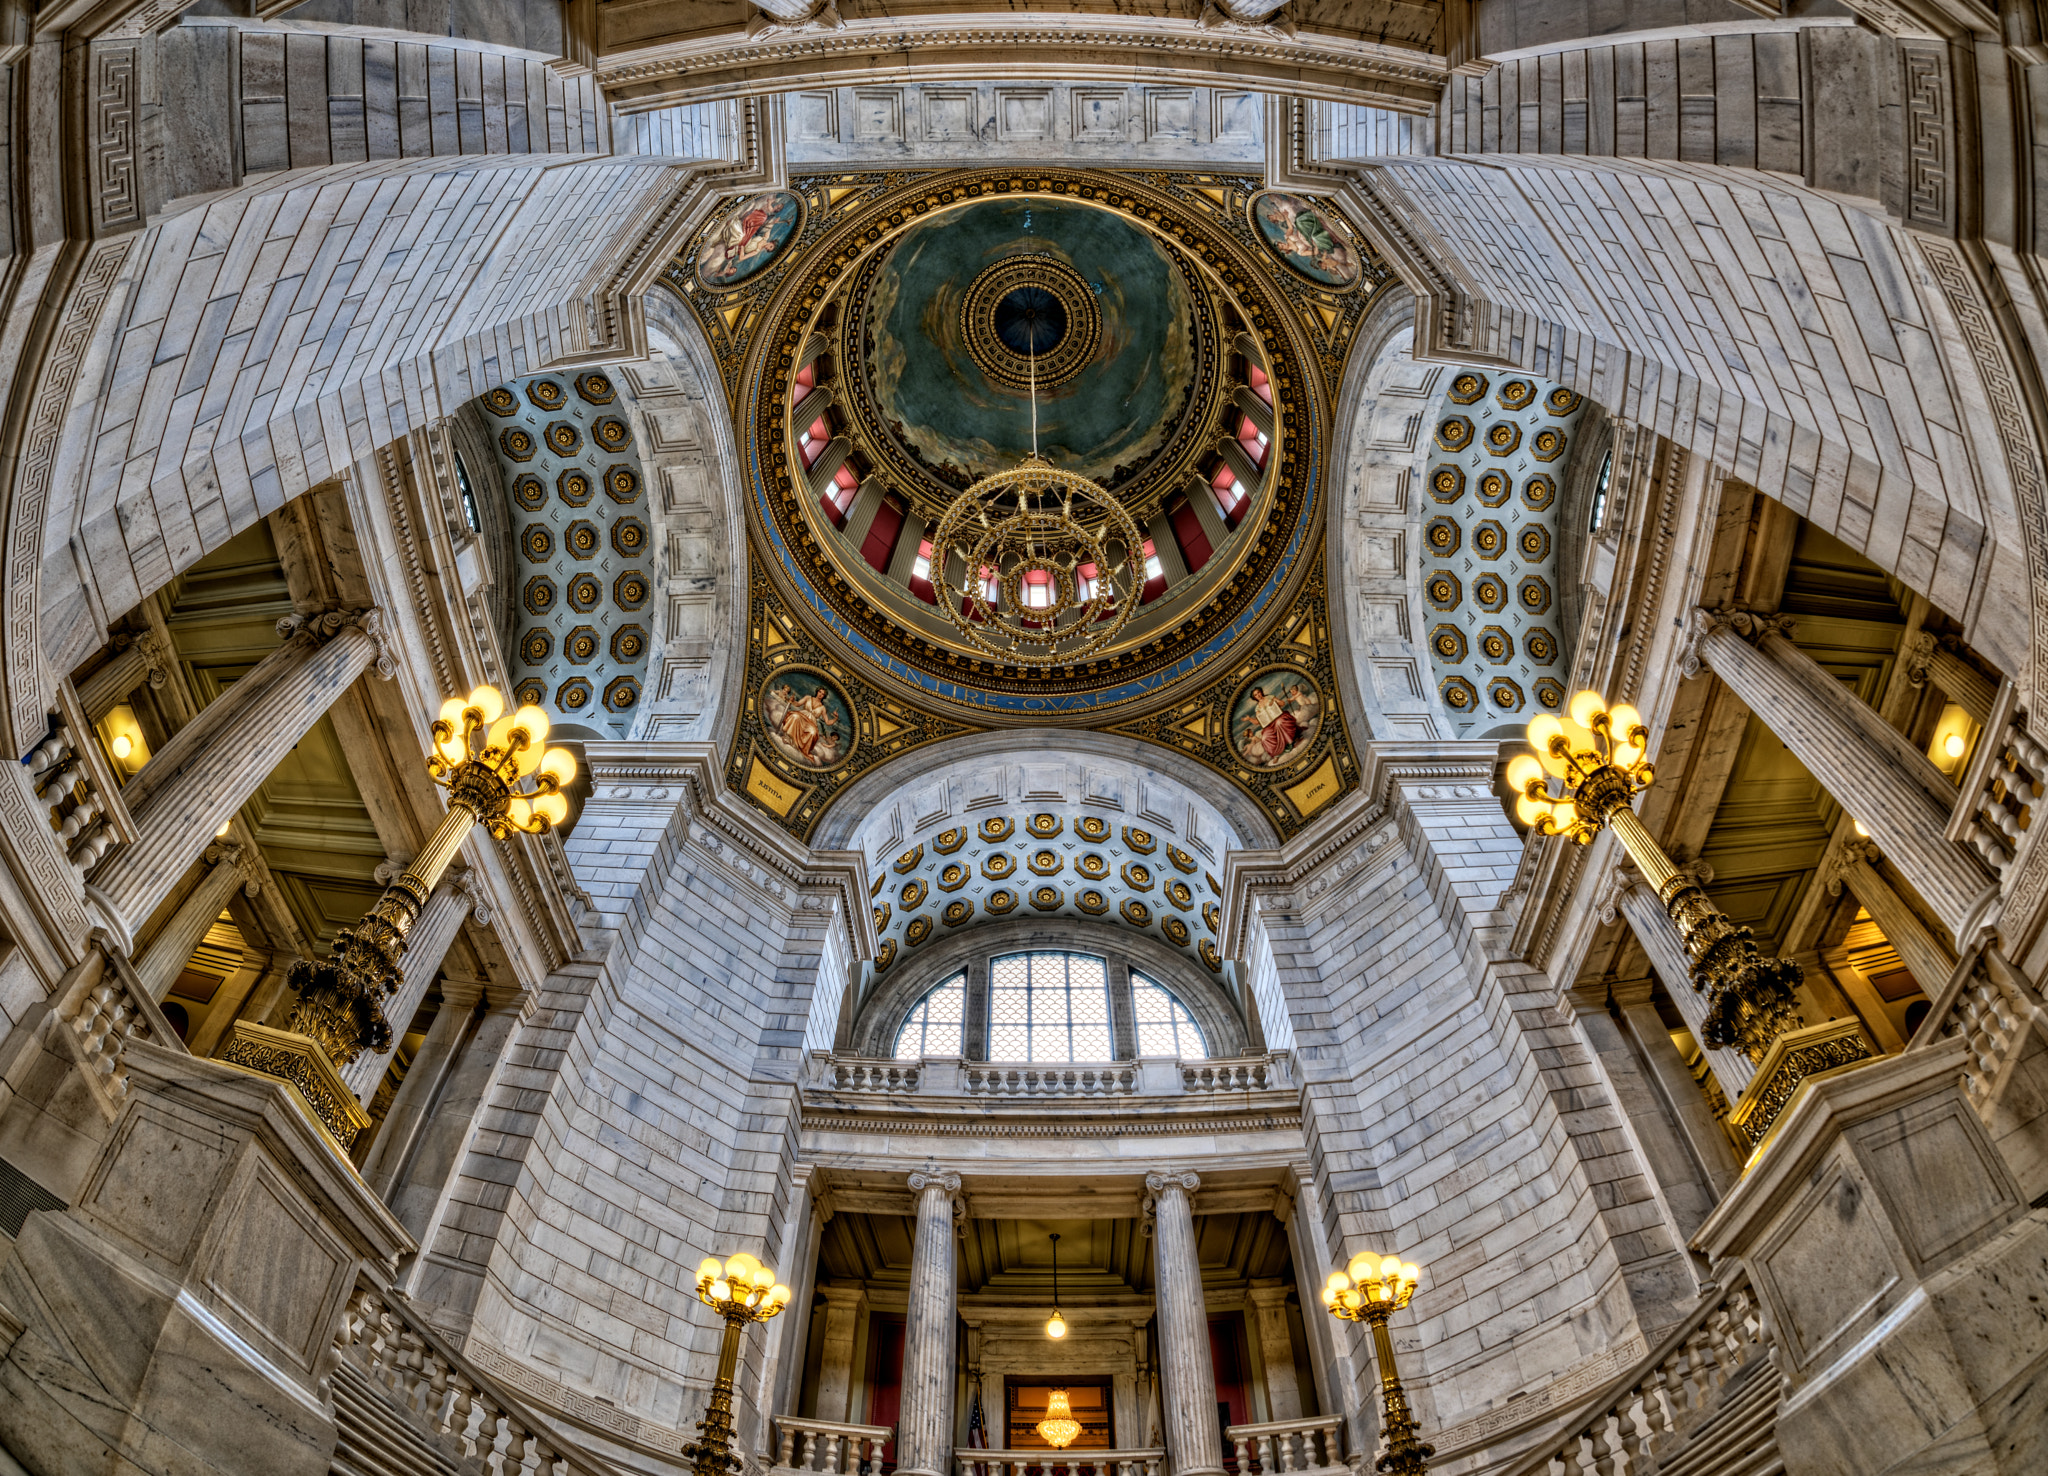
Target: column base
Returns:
[178, 1319]
[300, 1063]
[1902, 1276]
[1793, 1058]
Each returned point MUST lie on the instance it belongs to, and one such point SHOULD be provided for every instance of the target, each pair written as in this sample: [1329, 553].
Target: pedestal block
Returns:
[1905, 1281]
[180, 1317]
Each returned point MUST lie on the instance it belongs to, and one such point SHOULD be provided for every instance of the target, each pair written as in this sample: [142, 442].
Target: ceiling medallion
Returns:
[1026, 308]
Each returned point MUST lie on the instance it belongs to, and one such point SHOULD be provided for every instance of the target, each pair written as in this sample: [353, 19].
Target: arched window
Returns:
[932, 1028]
[1048, 1007]
[1165, 1028]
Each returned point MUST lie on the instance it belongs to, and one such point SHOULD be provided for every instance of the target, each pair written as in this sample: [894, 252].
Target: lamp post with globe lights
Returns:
[742, 1291]
[1585, 772]
[1371, 1290]
[500, 774]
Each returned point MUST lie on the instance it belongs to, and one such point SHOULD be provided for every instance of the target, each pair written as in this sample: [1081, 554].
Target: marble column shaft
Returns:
[194, 784]
[1866, 764]
[107, 688]
[409, 1108]
[1194, 1444]
[924, 1422]
[1654, 929]
[1925, 956]
[1703, 1133]
[173, 946]
[433, 933]
[843, 1306]
[1962, 683]
[420, 1198]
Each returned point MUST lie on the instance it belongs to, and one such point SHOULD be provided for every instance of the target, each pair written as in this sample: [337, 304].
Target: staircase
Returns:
[379, 1437]
[1704, 1403]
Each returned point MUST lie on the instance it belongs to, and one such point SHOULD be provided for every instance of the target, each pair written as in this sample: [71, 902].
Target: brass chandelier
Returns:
[1051, 564]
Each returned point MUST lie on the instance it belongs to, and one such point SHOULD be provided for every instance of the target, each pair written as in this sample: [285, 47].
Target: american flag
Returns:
[977, 1428]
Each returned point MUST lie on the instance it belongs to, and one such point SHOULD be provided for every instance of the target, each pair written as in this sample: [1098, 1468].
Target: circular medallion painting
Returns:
[1274, 719]
[748, 238]
[1302, 234]
[808, 718]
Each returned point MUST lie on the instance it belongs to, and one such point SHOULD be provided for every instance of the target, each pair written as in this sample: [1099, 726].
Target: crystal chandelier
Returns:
[1059, 1427]
[1051, 563]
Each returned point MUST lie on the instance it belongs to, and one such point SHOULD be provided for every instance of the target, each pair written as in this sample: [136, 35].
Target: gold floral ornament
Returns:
[1050, 565]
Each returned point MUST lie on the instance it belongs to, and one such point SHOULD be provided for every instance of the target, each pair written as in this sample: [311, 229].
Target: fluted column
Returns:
[173, 946]
[195, 782]
[433, 933]
[1926, 660]
[1633, 899]
[142, 660]
[1925, 956]
[924, 1423]
[1194, 1443]
[1866, 764]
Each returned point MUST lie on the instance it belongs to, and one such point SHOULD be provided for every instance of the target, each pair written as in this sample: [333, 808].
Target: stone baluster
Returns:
[1193, 1440]
[1867, 765]
[172, 948]
[924, 1426]
[1926, 660]
[142, 660]
[1925, 956]
[1631, 897]
[455, 901]
[419, 1198]
[196, 781]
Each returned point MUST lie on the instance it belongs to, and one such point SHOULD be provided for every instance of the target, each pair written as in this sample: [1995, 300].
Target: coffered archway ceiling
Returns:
[1189, 371]
[582, 580]
[1490, 541]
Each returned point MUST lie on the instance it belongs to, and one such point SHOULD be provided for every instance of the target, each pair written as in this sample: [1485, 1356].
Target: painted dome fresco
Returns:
[954, 325]
[893, 354]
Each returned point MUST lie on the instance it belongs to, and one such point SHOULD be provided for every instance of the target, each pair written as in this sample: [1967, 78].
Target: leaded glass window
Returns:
[1165, 1028]
[932, 1028]
[1048, 1007]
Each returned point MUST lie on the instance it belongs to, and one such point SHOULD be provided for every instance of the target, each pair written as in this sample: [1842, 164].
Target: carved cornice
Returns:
[1136, 1126]
[688, 776]
[942, 45]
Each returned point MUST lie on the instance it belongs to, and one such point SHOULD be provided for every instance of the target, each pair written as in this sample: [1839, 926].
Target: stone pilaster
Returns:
[924, 1425]
[1926, 957]
[433, 933]
[1194, 1444]
[166, 956]
[420, 1198]
[1877, 775]
[388, 1155]
[1633, 899]
[1276, 1348]
[1704, 1136]
[195, 782]
[836, 1342]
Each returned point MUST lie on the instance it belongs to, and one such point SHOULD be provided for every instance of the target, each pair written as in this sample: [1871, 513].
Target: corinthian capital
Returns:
[944, 1180]
[1751, 625]
[324, 625]
[1843, 855]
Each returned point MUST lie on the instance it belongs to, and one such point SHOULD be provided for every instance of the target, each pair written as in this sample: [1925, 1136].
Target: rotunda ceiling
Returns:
[881, 348]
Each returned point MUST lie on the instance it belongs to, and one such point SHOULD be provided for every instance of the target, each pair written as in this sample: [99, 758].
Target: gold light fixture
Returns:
[1371, 1290]
[1056, 1325]
[1059, 1427]
[498, 774]
[743, 1292]
[1599, 760]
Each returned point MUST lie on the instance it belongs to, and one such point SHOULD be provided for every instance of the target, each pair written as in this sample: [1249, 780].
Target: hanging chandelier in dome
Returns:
[1051, 565]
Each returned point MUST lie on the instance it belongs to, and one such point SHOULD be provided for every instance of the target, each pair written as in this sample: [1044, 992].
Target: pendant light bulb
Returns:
[1056, 1325]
